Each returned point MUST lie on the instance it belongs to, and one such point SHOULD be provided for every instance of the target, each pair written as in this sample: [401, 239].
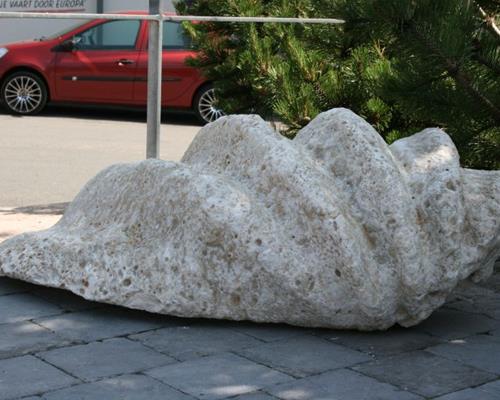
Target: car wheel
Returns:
[205, 105]
[24, 93]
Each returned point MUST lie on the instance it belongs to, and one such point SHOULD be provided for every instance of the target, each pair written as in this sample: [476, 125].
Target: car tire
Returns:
[204, 105]
[24, 93]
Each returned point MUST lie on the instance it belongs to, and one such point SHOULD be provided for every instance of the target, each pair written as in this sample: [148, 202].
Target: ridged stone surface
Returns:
[333, 229]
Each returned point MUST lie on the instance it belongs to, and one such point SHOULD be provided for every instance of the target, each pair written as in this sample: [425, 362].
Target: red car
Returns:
[102, 62]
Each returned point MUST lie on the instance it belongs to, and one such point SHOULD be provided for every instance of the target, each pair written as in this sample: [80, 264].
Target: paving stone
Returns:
[104, 359]
[188, 342]
[493, 387]
[11, 286]
[494, 314]
[486, 306]
[480, 351]
[453, 324]
[478, 298]
[470, 290]
[254, 396]
[269, 332]
[470, 394]
[493, 282]
[476, 304]
[65, 299]
[497, 323]
[425, 373]
[91, 325]
[22, 307]
[27, 376]
[339, 385]
[218, 377]
[490, 391]
[125, 387]
[304, 355]
[391, 342]
[25, 337]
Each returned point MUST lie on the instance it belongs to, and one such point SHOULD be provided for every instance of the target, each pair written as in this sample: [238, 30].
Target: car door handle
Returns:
[124, 61]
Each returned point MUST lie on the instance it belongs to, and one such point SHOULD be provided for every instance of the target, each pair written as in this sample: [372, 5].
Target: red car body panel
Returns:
[94, 76]
[103, 76]
[32, 55]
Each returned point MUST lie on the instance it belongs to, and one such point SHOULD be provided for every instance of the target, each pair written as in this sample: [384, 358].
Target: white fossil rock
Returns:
[333, 229]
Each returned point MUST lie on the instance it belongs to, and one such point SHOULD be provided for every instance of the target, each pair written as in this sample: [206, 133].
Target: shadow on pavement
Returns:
[45, 209]
[5, 235]
[112, 114]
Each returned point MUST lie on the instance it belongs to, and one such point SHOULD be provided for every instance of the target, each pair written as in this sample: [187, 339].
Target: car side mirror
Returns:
[69, 45]
[76, 40]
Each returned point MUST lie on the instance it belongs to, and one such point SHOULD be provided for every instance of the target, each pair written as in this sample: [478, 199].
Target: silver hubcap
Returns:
[23, 94]
[207, 108]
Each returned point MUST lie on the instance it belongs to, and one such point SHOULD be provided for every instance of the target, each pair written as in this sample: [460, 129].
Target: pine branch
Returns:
[454, 70]
[427, 82]
[482, 60]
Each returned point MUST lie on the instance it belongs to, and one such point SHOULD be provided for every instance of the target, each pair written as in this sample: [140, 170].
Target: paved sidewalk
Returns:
[56, 346]
[14, 221]
[49, 157]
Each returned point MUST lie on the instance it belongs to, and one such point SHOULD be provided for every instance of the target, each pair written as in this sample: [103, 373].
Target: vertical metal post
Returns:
[154, 81]
[100, 10]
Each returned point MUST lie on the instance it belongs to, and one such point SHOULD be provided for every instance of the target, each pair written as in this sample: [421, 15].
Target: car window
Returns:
[174, 36]
[113, 35]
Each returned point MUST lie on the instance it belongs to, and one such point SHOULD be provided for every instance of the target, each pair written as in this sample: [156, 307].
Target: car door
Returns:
[101, 67]
[177, 77]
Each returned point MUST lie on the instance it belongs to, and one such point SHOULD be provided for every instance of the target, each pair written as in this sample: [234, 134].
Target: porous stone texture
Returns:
[333, 229]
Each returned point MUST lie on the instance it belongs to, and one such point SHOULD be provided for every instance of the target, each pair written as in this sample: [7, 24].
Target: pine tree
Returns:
[441, 67]
[402, 64]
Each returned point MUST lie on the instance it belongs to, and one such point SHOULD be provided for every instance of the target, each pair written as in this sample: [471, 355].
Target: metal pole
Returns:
[280, 20]
[47, 15]
[100, 7]
[154, 81]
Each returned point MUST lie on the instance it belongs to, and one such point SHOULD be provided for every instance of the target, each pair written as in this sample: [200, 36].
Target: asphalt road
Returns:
[48, 158]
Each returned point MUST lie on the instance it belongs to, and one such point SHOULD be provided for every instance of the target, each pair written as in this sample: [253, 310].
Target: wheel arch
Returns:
[198, 89]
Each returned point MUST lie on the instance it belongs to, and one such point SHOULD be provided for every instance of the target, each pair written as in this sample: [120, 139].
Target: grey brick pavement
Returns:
[131, 387]
[99, 360]
[321, 356]
[340, 384]
[424, 373]
[23, 307]
[490, 391]
[218, 377]
[188, 342]
[57, 346]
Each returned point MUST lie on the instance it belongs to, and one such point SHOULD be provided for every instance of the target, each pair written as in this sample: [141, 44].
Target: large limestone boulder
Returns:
[333, 229]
